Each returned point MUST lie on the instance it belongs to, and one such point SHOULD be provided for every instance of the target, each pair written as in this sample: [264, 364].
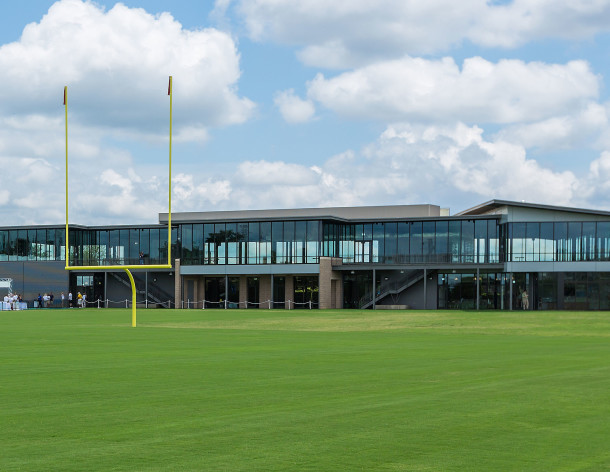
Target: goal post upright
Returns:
[126, 267]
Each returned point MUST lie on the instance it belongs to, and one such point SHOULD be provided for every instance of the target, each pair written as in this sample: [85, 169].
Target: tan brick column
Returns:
[264, 290]
[243, 290]
[330, 284]
[201, 291]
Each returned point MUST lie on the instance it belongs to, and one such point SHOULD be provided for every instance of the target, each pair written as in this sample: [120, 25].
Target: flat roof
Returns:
[491, 205]
[336, 213]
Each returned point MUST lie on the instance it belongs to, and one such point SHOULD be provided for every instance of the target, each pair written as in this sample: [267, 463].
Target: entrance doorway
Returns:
[253, 292]
[215, 292]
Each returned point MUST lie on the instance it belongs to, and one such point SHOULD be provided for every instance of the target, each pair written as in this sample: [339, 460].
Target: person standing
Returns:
[70, 299]
[63, 300]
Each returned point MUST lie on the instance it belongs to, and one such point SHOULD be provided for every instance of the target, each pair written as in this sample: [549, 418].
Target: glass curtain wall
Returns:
[557, 241]
[259, 242]
[416, 242]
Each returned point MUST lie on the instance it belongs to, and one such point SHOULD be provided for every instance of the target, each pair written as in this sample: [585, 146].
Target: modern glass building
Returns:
[499, 255]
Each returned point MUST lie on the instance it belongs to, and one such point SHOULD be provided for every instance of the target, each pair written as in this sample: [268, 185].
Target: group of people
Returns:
[46, 300]
[81, 300]
[12, 300]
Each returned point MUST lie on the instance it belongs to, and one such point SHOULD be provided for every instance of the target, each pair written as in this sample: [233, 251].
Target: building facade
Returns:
[499, 255]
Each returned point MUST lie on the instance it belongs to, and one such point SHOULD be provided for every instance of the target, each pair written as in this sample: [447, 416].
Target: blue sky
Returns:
[281, 104]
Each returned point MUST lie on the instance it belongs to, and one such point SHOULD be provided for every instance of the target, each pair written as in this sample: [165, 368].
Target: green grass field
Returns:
[304, 390]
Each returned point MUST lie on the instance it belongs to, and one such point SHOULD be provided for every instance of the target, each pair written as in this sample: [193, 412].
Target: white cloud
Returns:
[198, 196]
[116, 65]
[481, 91]
[293, 108]
[343, 34]
[263, 173]
[452, 165]
[587, 126]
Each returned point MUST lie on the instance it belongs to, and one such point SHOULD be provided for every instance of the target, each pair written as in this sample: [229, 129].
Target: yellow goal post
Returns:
[127, 267]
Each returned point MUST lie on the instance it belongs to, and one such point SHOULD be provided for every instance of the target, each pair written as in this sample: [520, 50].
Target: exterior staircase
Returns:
[155, 294]
[393, 286]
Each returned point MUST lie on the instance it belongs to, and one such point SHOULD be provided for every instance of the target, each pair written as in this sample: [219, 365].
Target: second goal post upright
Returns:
[126, 267]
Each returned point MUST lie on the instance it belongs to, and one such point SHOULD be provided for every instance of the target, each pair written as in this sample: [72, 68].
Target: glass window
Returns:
[480, 240]
[289, 238]
[493, 241]
[35, 249]
[467, 241]
[220, 243]
[312, 241]
[415, 246]
[253, 239]
[429, 241]
[532, 242]
[116, 252]
[187, 243]
[455, 236]
[134, 246]
[209, 249]
[22, 245]
[242, 237]
[442, 240]
[547, 242]
[378, 242]
[277, 246]
[3, 245]
[60, 245]
[300, 236]
[347, 243]
[574, 241]
[603, 240]
[390, 243]
[232, 244]
[561, 241]
[154, 251]
[518, 241]
[367, 231]
[588, 241]
[197, 253]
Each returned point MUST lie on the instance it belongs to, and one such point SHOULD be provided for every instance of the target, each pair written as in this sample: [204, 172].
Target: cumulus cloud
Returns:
[446, 165]
[480, 91]
[116, 64]
[349, 34]
[587, 126]
[293, 108]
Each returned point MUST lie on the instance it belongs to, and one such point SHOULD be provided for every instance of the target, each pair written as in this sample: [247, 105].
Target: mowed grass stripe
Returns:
[237, 390]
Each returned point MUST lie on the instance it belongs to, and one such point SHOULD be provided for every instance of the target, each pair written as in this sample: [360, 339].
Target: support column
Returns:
[243, 291]
[272, 298]
[264, 290]
[374, 291]
[425, 288]
[177, 285]
[478, 286]
[510, 291]
[226, 291]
